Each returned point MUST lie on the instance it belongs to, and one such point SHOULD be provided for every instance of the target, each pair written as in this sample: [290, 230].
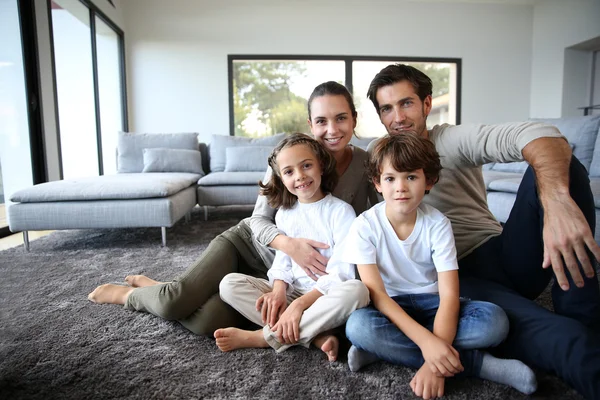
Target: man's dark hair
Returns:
[397, 73]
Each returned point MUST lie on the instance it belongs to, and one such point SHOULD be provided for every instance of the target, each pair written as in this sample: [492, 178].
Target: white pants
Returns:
[329, 311]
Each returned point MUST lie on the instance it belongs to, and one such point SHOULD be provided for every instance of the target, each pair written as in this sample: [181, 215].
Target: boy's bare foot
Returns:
[233, 338]
[140, 281]
[110, 294]
[329, 344]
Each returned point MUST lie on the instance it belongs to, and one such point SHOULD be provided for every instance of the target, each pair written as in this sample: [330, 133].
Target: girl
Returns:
[193, 298]
[292, 307]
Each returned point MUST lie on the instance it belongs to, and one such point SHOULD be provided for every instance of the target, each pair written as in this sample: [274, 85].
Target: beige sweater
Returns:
[461, 194]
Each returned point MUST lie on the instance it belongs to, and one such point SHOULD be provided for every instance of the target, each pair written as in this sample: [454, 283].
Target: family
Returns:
[426, 278]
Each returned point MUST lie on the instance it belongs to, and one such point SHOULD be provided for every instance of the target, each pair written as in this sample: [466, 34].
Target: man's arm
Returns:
[566, 232]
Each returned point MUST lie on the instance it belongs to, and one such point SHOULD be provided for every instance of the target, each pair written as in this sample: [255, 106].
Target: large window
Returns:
[269, 94]
[88, 54]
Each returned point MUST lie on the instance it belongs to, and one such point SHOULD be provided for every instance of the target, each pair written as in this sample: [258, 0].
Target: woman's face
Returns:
[332, 122]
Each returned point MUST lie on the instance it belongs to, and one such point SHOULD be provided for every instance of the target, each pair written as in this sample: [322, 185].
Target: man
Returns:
[549, 231]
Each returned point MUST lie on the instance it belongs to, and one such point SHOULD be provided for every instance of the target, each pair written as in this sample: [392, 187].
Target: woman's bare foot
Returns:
[233, 338]
[140, 281]
[329, 344]
[110, 294]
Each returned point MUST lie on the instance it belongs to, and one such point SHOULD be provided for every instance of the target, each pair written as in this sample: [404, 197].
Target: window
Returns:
[269, 94]
[88, 53]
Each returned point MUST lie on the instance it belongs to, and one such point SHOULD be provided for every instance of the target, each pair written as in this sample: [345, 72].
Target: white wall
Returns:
[557, 24]
[177, 50]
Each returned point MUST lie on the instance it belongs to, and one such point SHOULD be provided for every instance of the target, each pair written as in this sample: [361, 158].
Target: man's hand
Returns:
[288, 327]
[272, 305]
[440, 357]
[427, 384]
[566, 235]
[304, 253]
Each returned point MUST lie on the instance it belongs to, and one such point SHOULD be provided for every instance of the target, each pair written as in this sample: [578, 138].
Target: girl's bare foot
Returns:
[140, 281]
[233, 338]
[329, 344]
[110, 294]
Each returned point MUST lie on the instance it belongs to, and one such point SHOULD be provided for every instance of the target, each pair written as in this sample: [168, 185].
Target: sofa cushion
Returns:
[130, 147]
[247, 158]
[505, 185]
[219, 143]
[231, 178]
[582, 132]
[108, 187]
[516, 167]
[172, 160]
[595, 186]
[491, 176]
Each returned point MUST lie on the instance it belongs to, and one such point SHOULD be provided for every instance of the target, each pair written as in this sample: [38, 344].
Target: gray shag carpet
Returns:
[54, 343]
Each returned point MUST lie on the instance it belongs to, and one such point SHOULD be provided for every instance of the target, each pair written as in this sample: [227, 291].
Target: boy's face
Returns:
[402, 191]
[401, 110]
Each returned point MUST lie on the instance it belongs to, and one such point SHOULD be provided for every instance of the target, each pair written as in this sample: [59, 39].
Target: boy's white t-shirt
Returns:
[326, 221]
[406, 266]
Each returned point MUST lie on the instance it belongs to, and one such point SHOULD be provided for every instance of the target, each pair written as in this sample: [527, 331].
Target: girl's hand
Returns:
[427, 384]
[304, 253]
[287, 328]
[441, 358]
[272, 305]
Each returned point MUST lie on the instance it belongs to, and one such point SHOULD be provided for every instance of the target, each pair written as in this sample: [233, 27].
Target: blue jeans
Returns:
[507, 271]
[480, 325]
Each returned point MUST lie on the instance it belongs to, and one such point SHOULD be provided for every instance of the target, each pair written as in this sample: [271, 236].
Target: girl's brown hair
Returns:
[275, 191]
[406, 152]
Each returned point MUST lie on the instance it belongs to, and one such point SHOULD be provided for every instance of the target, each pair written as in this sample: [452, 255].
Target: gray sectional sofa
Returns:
[155, 187]
[502, 180]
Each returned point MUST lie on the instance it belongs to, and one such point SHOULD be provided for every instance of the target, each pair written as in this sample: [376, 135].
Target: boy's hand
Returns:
[427, 384]
[441, 358]
[271, 305]
[288, 327]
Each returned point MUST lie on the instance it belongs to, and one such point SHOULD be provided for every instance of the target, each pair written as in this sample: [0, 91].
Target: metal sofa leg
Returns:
[188, 216]
[205, 213]
[26, 240]
[163, 231]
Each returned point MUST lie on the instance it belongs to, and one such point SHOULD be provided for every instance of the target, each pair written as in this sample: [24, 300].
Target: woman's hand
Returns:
[441, 357]
[272, 304]
[287, 329]
[304, 253]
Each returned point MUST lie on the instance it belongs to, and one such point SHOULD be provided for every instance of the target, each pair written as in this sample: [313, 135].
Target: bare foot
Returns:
[233, 338]
[110, 294]
[140, 281]
[329, 344]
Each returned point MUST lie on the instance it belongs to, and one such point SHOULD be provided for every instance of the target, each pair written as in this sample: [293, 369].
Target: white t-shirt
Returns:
[406, 266]
[326, 221]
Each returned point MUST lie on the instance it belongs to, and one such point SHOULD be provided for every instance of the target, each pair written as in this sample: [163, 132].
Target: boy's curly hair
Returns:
[275, 191]
[406, 152]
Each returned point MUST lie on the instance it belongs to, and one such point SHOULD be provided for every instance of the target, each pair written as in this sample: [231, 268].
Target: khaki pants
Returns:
[193, 298]
[328, 312]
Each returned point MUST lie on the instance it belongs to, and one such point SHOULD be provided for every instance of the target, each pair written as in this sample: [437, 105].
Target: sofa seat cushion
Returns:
[490, 176]
[595, 186]
[505, 185]
[231, 178]
[108, 187]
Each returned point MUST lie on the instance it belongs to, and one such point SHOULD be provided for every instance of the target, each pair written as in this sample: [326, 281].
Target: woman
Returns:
[193, 298]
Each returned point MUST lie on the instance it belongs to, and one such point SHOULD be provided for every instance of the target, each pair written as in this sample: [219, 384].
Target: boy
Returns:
[405, 254]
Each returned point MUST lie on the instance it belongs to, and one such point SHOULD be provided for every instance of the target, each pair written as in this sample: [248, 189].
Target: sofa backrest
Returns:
[217, 150]
[130, 147]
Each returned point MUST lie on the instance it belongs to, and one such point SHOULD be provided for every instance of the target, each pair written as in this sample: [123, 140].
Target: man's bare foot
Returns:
[140, 281]
[110, 294]
[329, 344]
[233, 338]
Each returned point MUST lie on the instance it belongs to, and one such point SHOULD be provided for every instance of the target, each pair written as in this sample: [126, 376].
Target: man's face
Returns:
[401, 110]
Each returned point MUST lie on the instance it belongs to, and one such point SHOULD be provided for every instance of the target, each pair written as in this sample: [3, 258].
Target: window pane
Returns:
[109, 86]
[15, 154]
[270, 96]
[444, 101]
[75, 88]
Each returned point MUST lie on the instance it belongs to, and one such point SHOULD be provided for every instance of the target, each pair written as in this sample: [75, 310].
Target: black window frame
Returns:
[348, 71]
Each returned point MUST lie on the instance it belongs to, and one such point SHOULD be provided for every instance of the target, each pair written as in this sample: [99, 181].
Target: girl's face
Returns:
[332, 122]
[300, 171]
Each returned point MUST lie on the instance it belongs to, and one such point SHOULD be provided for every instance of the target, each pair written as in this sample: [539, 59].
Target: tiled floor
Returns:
[17, 239]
